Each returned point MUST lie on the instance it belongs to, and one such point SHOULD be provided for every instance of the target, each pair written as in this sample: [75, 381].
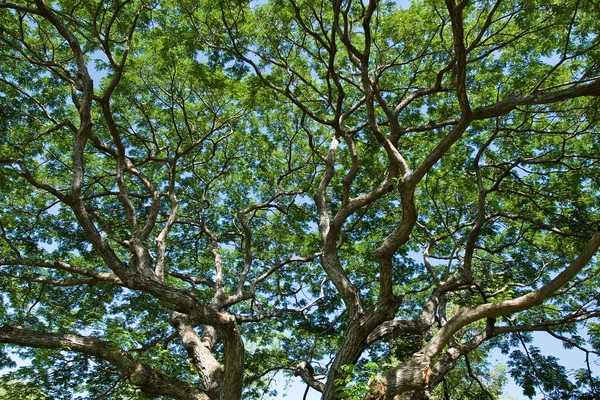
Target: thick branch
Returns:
[505, 106]
[61, 265]
[491, 310]
[305, 371]
[416, 373]
[199, 352]
[460, 54]
[149, 381]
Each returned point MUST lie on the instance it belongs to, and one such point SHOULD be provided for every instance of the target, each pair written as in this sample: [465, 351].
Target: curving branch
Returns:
[306, 371]
[415, 374]
[145, 378]
[460, 53]
[199, 351]
[64, 266]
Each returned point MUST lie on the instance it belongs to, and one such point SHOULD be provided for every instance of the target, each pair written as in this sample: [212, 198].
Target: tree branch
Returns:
[149, 381]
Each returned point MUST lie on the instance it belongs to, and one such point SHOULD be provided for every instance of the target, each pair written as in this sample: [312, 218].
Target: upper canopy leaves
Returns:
[200, 190]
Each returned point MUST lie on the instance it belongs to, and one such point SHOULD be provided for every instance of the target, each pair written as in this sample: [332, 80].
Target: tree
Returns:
[19, 390]
[200, 191]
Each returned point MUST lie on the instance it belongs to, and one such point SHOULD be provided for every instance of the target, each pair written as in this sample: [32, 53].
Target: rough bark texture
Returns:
[149, 381]
[199, 351]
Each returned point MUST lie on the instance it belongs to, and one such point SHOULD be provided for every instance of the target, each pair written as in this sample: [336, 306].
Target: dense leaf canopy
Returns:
[203, 198]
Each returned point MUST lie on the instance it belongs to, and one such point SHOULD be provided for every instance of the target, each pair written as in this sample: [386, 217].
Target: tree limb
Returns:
[149, 381]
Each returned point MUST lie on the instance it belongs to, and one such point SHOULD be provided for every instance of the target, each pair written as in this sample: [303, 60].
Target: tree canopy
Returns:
[202, 198]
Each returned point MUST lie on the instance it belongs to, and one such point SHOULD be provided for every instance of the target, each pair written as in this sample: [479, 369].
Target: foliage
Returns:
[459, 384]
[200, 196]
[535, 373]
[357, 382]
[14, 389]
[552, 381]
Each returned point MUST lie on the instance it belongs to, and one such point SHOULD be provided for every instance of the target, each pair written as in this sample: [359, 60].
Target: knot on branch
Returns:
[139, 377]
[306, 371]
[304, 368]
